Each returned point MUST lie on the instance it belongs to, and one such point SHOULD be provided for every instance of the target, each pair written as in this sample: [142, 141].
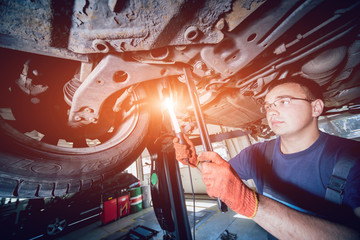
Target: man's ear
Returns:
[318, 107]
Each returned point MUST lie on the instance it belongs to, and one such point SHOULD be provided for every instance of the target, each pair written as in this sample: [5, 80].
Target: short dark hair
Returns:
[312, 89]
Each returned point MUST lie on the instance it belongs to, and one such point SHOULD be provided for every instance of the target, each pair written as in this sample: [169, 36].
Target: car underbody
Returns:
[83, 80]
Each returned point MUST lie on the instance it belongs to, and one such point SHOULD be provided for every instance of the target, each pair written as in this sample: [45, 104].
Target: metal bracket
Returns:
[112, 74]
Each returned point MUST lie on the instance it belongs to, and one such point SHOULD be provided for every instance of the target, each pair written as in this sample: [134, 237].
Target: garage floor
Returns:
[210, 224]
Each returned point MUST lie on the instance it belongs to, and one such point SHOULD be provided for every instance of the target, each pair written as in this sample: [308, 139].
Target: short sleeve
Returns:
[247, 163]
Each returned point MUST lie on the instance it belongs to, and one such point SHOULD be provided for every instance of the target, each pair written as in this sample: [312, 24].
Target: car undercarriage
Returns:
[83, 80]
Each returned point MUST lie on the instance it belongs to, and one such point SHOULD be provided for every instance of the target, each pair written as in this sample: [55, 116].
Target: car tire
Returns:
[30, 167]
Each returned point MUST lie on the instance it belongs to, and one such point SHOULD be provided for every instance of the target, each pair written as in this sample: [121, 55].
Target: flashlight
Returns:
[174, 121]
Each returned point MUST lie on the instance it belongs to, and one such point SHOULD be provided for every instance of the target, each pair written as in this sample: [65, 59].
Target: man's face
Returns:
[293, 117]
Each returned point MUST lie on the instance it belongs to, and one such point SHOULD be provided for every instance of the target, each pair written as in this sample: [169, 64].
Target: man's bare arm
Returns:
[286, 223]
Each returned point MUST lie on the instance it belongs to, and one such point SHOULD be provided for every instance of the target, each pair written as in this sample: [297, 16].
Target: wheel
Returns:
[40, 155]
[56, 226]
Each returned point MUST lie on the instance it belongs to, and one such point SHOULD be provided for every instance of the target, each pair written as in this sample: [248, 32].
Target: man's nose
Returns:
[272, 111]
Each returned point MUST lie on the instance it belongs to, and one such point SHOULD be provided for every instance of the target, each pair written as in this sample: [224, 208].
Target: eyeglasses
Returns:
[281, 102]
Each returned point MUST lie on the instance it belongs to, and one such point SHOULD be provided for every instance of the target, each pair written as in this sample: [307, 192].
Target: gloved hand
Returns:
[222, 181]
[185, 151]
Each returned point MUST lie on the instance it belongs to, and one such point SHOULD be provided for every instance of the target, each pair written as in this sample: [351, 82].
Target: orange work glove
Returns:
[185, 151]
[222, 181]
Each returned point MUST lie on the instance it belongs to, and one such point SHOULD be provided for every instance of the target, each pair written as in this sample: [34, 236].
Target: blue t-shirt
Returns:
[300, 179]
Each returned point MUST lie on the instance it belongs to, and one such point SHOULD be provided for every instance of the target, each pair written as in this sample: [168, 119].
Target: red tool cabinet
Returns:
[109, 212]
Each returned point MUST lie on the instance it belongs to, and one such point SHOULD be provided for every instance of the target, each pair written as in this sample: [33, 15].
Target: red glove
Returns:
[185, 151]
[223, 182]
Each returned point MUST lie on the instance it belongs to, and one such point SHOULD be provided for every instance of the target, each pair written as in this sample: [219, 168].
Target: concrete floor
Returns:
[210, 224]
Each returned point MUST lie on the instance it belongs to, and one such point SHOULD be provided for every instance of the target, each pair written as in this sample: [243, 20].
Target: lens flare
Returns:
[170, 107]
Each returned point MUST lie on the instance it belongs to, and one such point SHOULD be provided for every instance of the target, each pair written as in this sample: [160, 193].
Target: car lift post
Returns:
[167, 190]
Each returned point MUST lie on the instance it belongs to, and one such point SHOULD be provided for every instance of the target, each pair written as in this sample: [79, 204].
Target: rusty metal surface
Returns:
[107, 26]
[28, 20]
[39, 26]
[102, 26]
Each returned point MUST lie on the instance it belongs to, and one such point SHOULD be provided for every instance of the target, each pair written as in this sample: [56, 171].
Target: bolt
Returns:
[100, 46]
[220, 24]
[199, 65]
[192, 33]
[35, 100]
[93, 120]
[35, 72]
[88, 110]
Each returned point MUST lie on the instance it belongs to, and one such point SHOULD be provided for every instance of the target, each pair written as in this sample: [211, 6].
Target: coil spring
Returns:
[70, 88]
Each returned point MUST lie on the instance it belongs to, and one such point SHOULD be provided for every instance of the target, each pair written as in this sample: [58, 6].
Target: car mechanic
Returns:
[290, 199]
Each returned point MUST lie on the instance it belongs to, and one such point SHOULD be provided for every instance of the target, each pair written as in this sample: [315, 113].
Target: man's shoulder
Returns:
[336, 143]
[335, 138]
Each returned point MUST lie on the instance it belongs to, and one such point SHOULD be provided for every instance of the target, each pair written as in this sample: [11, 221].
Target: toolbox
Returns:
[109, 212]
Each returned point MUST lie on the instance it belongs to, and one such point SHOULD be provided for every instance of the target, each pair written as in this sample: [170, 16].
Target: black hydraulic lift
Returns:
[167, 191]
